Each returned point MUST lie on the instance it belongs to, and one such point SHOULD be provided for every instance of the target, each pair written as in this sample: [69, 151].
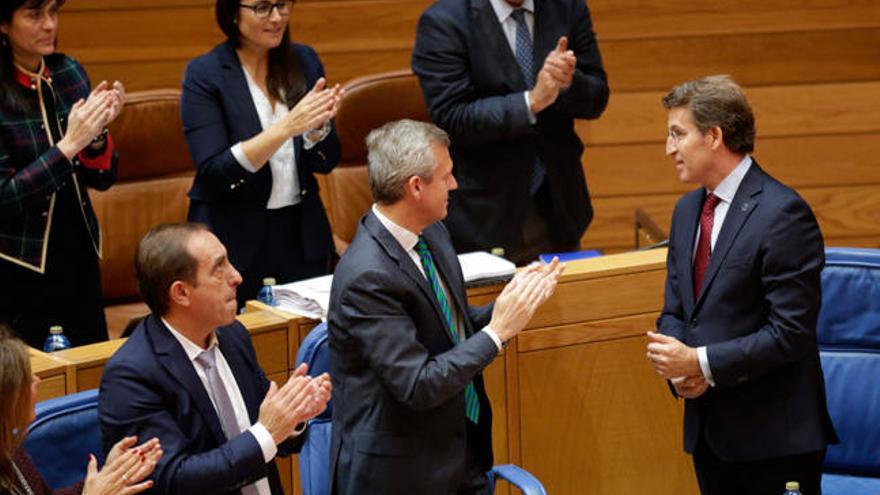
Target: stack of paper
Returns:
[309, 298]
[481, 268]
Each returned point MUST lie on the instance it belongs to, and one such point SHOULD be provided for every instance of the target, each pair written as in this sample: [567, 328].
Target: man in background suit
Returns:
[738, 329]
[506, 79]
[410, 410]
[189, 376]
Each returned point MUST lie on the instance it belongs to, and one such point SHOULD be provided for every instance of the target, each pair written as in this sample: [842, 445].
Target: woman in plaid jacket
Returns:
[53, 145]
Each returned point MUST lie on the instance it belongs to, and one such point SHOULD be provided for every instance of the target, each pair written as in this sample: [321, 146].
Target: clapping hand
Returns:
[125, 470]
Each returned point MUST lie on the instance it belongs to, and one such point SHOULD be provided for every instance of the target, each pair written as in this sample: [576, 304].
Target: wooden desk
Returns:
[53, 372]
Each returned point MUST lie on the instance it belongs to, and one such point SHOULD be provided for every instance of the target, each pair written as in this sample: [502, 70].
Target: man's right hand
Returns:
[522, 296]
[554, 77]
[297, 401]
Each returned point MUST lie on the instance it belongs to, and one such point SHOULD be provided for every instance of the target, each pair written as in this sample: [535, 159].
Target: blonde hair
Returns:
[15, 402]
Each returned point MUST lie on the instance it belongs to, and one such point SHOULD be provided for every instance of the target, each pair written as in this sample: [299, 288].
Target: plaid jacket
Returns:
[32, 171]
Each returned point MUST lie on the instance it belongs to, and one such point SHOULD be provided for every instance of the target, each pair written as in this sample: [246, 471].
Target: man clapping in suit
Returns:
[506, 79]
[738, 329]
[410, 411]
[189, 376]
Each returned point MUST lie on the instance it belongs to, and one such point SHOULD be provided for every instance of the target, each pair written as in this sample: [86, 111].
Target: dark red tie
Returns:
[704, 247]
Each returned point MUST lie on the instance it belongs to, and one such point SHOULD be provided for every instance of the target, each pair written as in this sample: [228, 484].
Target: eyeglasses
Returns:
[677, 136]
[263, 10]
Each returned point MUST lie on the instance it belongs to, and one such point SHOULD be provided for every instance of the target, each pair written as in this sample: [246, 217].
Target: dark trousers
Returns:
[539, 231]
[280, 255]
[476, 482]
[764, 477]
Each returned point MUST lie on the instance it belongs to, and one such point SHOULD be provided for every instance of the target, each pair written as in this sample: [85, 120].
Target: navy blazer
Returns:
[150, 389]
[757, 317]
[399, 424]
[473, 87]
[217, 112]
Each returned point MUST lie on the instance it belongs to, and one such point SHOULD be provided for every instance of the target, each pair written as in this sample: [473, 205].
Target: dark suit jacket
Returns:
[399, 423]
[757, 316]
[473, 88]
[150, 389]
[217, 111]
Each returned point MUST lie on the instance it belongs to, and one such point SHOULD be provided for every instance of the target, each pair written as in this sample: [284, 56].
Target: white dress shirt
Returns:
[504, 12]
[407, 241]
[260, 433]
[725, 191]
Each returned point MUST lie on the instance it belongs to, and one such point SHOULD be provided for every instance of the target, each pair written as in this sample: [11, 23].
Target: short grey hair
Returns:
[400, 150]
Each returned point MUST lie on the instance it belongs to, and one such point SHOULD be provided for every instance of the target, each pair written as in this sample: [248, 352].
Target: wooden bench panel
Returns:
[845, 108]
[800, 161]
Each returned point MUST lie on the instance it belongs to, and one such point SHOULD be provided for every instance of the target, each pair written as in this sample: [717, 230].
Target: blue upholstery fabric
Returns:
[63, 435]
[849, 343]
[314, 459]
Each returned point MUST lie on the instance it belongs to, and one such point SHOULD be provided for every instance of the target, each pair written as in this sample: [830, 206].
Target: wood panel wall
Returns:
[810, 68]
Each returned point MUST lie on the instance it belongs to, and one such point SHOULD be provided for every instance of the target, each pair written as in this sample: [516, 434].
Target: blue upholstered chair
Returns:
[315, 456]
[849, 344]
[65, 432]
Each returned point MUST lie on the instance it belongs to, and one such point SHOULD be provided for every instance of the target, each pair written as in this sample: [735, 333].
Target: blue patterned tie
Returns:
[471, 401]
[525, 57]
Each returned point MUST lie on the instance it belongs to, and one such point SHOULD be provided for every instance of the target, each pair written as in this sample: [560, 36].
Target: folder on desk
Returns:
[570, 256]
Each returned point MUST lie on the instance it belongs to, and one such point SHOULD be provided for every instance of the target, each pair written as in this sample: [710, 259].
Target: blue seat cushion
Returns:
[841, 484]
[850, 313]
[314, 459]
[65, 432]
[854, 404]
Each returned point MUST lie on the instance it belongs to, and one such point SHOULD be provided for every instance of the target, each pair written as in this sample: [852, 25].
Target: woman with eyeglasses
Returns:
[257, 115]
[53, 146]
[124, 472]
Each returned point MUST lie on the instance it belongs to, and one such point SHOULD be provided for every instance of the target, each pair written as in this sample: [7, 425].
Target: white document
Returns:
[310, 297]
[481, 265]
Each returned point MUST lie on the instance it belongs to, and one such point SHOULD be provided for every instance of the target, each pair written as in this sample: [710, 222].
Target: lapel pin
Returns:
[745, 206]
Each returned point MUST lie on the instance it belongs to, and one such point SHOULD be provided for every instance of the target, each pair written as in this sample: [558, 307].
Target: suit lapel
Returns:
[235, 85]
[171, 356]
[691, 214]
[744, 203]
[447, 265]
[542, 40]
[490, 36]
[396, 253]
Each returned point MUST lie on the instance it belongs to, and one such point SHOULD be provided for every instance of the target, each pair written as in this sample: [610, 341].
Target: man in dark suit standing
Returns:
[189, 376]
[738, 329]
[410, 411]
[506, 79]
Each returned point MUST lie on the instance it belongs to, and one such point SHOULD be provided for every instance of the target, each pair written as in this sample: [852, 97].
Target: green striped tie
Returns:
[471, 402]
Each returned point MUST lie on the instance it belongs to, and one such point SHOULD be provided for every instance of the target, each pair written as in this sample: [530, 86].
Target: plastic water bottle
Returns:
[792, 488]
[267, 295]
[56, 341]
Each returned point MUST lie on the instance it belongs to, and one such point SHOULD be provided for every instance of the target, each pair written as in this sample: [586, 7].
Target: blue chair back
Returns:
[314, 458]
[65, 432]
[849, 344]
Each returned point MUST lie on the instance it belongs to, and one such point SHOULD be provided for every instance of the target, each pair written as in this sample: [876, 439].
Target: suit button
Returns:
[45, 214]
[303, 192]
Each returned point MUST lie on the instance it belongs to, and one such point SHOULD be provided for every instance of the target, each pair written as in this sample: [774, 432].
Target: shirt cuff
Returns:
[532, 118]
[264, 438]
[241, 158]
[703, 357]
[321, 133]
[492, 335]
